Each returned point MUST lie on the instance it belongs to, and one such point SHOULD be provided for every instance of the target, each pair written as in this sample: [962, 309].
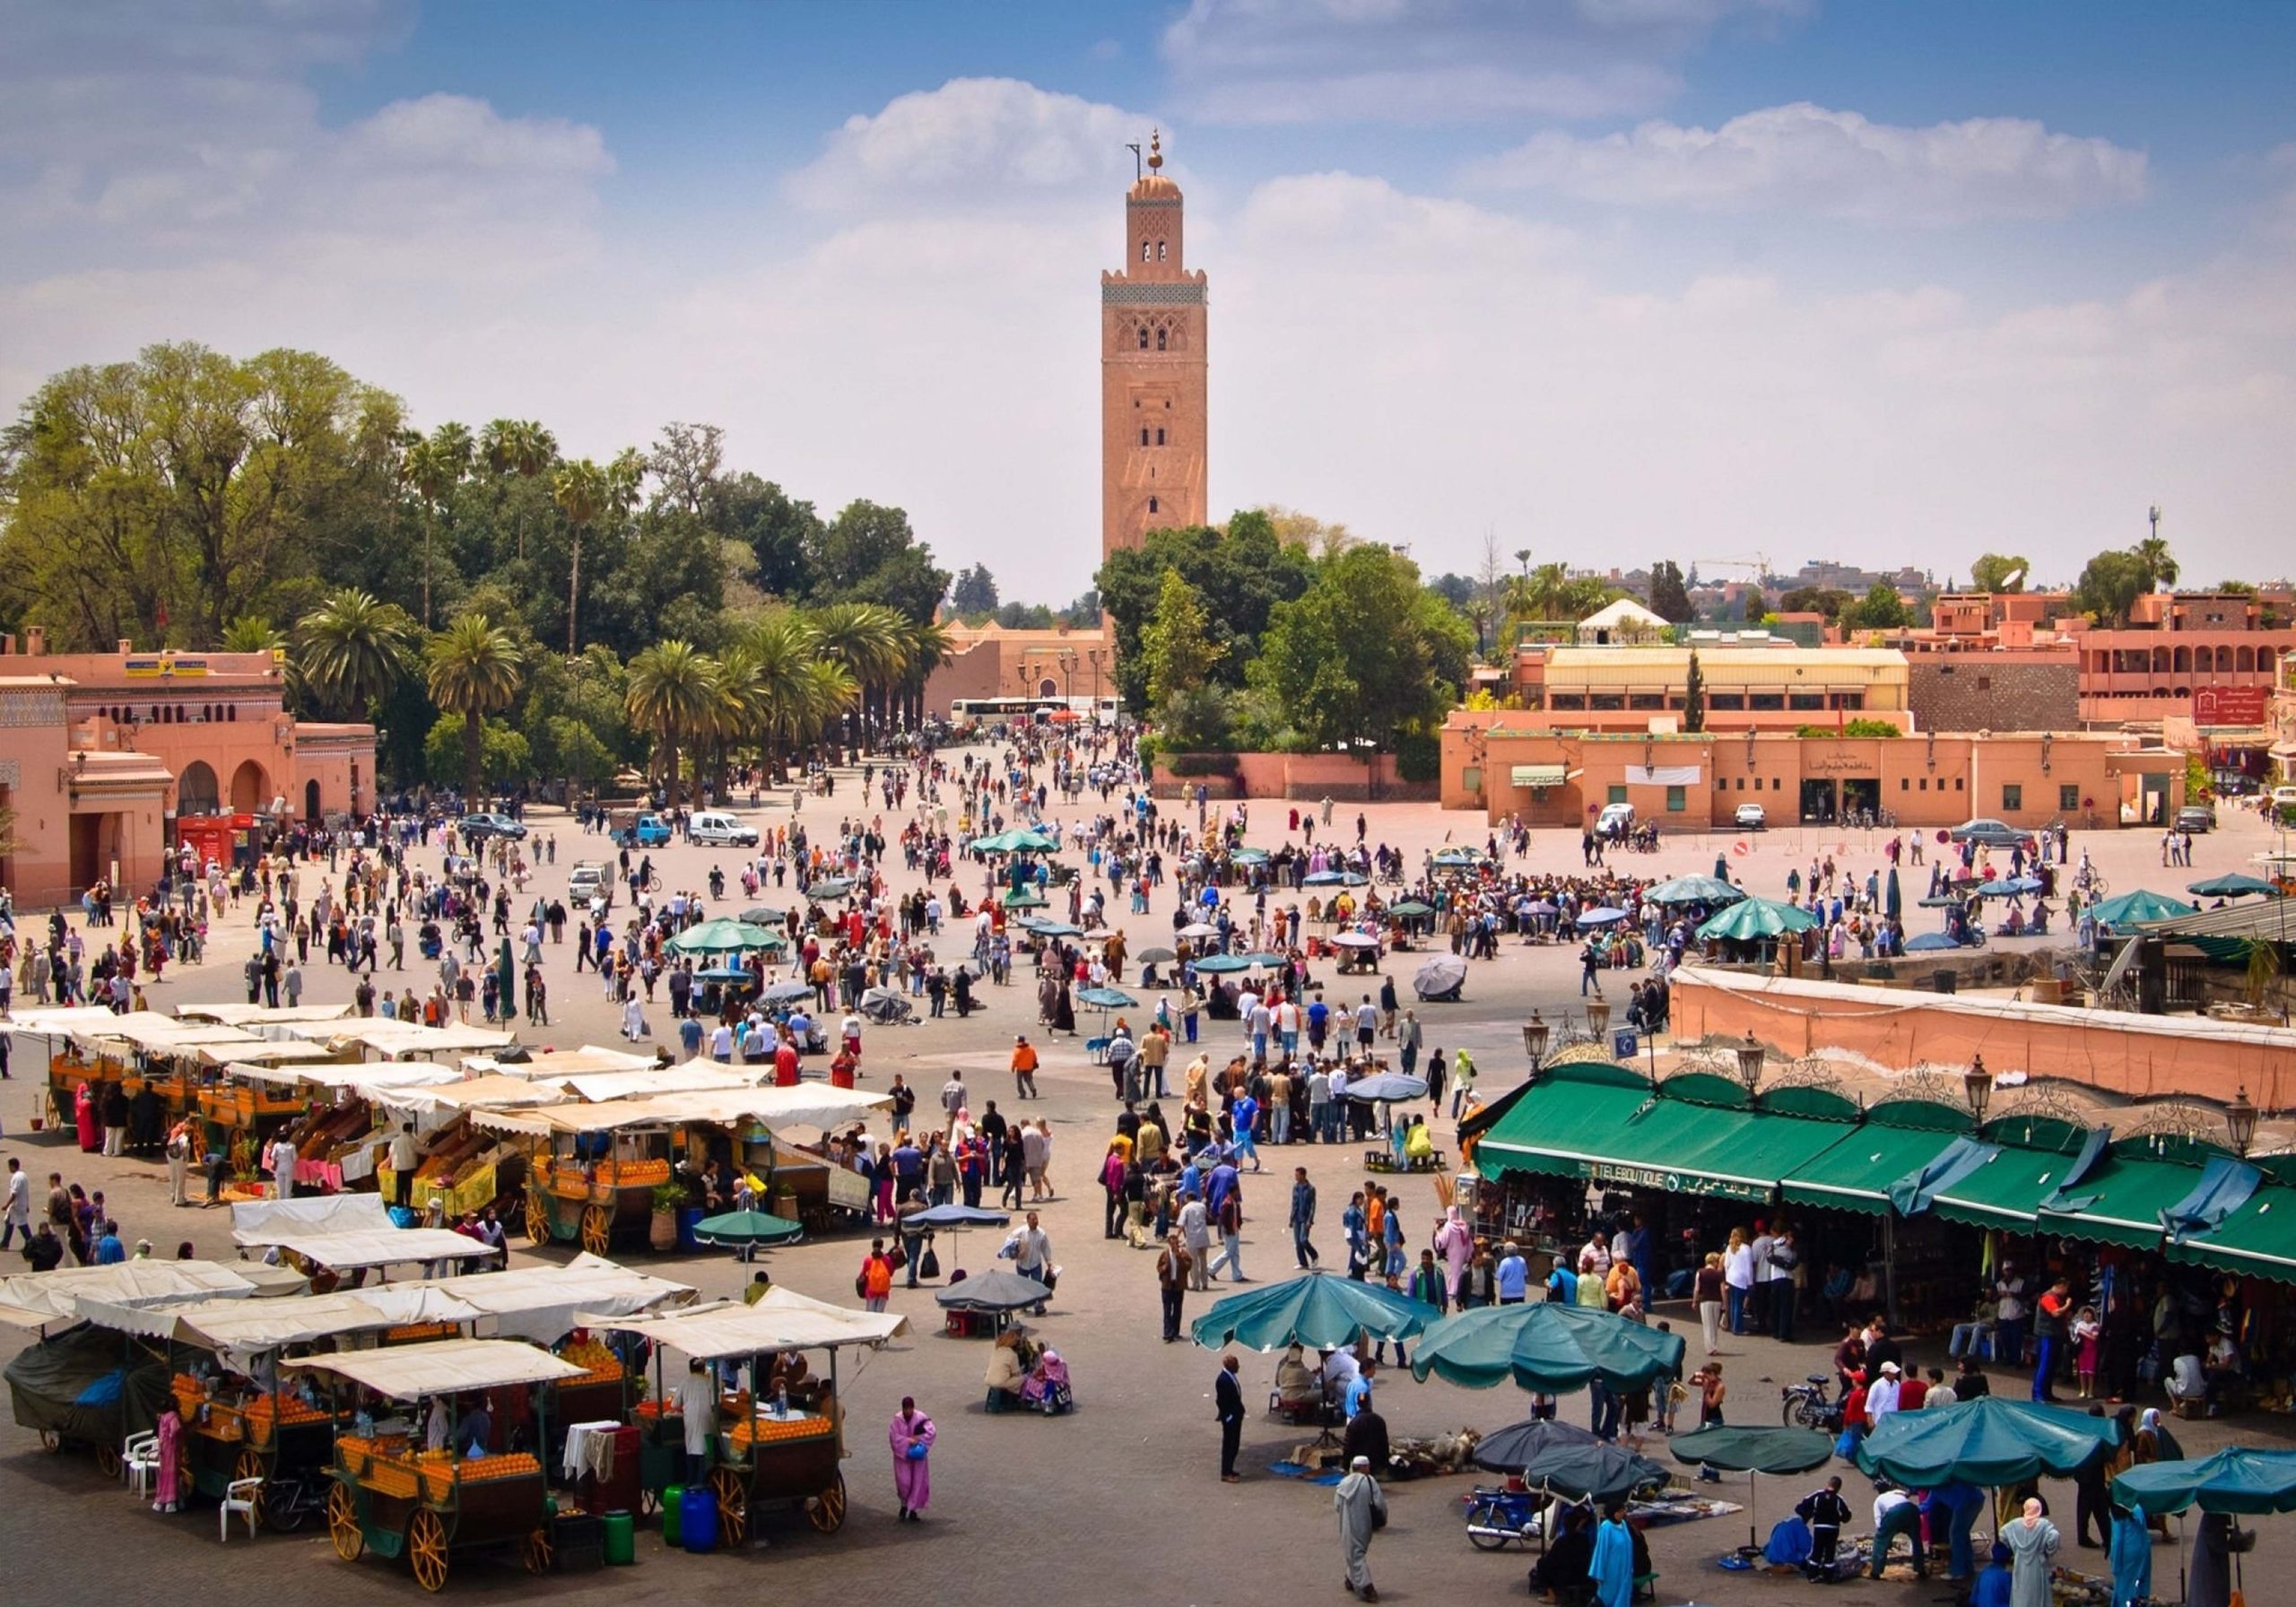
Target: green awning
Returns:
[2006, 1191]
[1536, 775]
[1856, 1172]
[2120, 1203]
[1619, 1132]
[2257, 1241]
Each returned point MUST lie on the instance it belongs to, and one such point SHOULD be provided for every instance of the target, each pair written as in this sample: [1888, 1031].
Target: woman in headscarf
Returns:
[84, 1116]
[912, 1436]
[2032, 1541]
[2153, 1442]
[1612, 1568]
[1455, 1243]
[167, 1488]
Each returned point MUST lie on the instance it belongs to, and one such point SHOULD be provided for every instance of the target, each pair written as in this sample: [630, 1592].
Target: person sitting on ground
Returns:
[1296, 1386]
[1005, 1370]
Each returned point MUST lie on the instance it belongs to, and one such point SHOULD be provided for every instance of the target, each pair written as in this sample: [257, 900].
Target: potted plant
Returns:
[662, 1233]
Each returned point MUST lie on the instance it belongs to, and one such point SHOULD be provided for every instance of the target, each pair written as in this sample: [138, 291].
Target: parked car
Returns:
[1615, 819]
[1752, 817]
[480, 824]
[1991, 834]
[716, 829]
[2283, 802]
[2195, 817]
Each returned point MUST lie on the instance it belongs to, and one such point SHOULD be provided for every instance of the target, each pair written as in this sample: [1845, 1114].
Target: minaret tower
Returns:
[1152, 415]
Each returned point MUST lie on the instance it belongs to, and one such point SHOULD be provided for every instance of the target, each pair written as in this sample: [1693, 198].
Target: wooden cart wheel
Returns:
[538, 1551]
[733, 1492]
[537, 1217]
[826, 1509]
[343, 1524]
[108, 1461]
[426, 1548]
[597, 1230]
[250, 1465]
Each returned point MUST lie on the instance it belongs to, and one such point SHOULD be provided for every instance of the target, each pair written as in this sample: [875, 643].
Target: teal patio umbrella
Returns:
[1321, 1310]
[2134, 909]
[725, 935]
[1989, 1442]
[1695, 889]
[1021, 840]
[746, 1230]
[1548, 1347]
[2236, 1479]
[1751, 920]
[1752, 1451]
[2232, 884]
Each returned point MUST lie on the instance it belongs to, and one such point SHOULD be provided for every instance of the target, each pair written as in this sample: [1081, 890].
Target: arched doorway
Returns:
[311, 800]
[196, 792]
[250, 788]
[1047, 688]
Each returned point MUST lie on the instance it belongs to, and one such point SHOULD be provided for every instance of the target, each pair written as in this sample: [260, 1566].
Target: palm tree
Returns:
[2160, 568]
[435, 466]
[250, 633]
[674, 689]
[520, 447]
[765, 681]
[924, 648]
[473, 668]
[583, 494]
[353, 649]
[866, 638]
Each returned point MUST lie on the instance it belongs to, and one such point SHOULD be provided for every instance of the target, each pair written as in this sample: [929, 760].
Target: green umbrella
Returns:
[1548, 1347]
[2134, 909]
[746, 1228]
[2230, 885]
[1695, 889]
[1021, 840]
[1752, 1451]
[1989, 1442]
[1754, 918]
[1411, 910]
[1222, 964]
[725, 935]
[1321, 1310]
[2236, 1479]
[1021, 897]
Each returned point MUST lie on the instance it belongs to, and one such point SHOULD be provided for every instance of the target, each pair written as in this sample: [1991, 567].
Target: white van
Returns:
[590, 880]
[716, 829]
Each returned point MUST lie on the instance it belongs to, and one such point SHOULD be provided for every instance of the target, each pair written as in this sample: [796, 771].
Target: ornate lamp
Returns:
[2240, 1122]
[1598, 1019]
[1536, 1033]
[1751, 1054]
[1977, 1083]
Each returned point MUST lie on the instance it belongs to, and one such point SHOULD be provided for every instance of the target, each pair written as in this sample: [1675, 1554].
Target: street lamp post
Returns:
[1751, 1054]
[1536, 1032]
[1977, 1083]
[2240, 1122]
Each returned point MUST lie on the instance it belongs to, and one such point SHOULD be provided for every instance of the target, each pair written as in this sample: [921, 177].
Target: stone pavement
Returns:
[1120, 1502]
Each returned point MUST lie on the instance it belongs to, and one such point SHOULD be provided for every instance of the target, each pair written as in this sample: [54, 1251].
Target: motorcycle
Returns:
[1811, 1406]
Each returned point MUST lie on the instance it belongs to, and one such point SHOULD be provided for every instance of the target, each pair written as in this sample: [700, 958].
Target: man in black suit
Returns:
[1228, 1398]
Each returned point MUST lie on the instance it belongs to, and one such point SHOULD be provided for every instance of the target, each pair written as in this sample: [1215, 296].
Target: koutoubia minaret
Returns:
[1153, 416]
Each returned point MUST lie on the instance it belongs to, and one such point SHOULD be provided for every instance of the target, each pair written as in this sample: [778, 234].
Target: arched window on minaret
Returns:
[1159, 438]
[1152, 505]
[1143, 434]
[1143, 337]
[1159, 338]
[1159, 250]
[1143, 250]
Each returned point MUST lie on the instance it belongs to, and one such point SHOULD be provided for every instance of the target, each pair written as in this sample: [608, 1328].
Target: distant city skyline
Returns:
[1686, 278]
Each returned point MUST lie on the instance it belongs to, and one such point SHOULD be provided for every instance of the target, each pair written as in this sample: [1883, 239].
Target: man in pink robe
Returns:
[912, 1441]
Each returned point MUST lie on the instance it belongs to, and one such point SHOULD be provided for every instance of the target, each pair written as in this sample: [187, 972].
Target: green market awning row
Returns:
[1606, 1123]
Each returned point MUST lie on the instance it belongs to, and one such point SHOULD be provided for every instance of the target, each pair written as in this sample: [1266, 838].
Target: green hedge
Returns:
[1201, 764]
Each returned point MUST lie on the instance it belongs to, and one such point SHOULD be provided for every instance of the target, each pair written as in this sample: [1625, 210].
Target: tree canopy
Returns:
[1241, 572]
[1364, 654]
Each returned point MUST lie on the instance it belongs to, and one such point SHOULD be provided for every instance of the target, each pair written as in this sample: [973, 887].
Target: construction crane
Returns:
[1759, 563]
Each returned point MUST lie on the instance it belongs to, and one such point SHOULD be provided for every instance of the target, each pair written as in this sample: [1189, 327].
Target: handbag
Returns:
[928, 1264]
[1379, 1516]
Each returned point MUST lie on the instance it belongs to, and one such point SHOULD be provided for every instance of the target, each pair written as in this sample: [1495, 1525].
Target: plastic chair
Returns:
[139, 1460]
[239, 1496]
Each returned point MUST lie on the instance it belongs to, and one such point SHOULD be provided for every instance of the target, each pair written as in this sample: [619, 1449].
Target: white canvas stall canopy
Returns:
[561, 1063]
[504, 1092]
[62, 1020]
[366, 1078]
[400, 1040]
[252, 1016]
[264, 1051]
[884, 1325]
[810, 1105]
[34, 1300]
[443, 1366]
[599, 1086]
[239, 1331]
[344, 1232]
[728, 1329]
[545, 1304]
[150, 1033]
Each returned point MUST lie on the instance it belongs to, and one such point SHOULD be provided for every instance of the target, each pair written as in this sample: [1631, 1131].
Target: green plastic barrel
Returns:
[620, 1540]
[672, 1535]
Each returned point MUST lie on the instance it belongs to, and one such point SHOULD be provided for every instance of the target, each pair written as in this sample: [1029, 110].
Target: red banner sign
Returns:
[2230, 705]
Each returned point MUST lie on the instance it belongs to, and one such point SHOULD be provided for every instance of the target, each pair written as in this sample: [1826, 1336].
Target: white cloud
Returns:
[1439, 61]
[1806, 157]
[970, 144]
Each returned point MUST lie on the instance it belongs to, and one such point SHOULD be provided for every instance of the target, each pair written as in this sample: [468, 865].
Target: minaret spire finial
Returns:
[1155, 149]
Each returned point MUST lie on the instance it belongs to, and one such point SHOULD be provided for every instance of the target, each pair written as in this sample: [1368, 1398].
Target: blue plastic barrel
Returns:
[698, 1519]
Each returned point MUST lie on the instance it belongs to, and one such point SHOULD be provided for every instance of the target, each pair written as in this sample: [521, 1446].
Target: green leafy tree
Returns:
[1178, 641]
[2000, 572]
[522, 448]
[504, 755]
[1829, 601]
[1695, 695]
[869, 554]
[2110, 585]
[974, 594]
[1241, 573]
[1669, 596]
[352, 650]
[473, 668]
[1365, 653]
[781, 533]
[572, 750]
[1881, 609]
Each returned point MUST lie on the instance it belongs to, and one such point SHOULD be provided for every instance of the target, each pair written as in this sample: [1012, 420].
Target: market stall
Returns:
[397, 1500]
[347, 1233]
[779, 1440]
[243, 1423]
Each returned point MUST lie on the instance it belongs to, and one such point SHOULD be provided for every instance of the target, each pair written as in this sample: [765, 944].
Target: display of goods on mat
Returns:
[769, 1430]
[601, 1364]
[452, 1149]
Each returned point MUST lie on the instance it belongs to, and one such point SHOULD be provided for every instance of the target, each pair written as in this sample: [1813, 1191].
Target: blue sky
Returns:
[1610, 279]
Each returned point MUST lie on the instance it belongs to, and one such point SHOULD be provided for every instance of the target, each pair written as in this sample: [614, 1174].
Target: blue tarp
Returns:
[2224, 1187]
[1913, 1193]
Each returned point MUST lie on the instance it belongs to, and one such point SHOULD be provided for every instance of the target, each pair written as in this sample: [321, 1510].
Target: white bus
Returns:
[1041, 711]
